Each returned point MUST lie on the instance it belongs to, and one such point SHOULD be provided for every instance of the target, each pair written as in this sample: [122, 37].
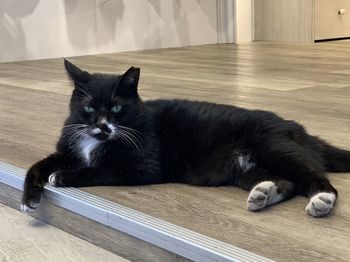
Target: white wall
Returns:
[37, 29]
[244, 20]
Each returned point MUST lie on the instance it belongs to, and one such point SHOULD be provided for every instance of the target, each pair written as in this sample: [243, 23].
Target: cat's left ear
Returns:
[77, 75]
[129, 82]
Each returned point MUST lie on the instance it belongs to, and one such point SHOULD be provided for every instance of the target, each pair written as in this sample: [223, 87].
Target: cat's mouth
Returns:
[104, 132]
[102, 136]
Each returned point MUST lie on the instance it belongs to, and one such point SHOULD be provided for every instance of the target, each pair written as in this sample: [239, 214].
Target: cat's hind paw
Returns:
[321, 204]
[259, 195]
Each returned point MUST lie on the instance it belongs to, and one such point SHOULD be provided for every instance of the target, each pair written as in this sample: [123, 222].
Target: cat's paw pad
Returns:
[259, 195]
[320, 204]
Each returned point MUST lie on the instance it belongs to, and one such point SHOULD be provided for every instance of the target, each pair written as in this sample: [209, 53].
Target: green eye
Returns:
[89, 109]
[116, 109]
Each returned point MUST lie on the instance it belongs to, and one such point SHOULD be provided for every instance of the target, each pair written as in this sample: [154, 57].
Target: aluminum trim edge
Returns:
[176, 239]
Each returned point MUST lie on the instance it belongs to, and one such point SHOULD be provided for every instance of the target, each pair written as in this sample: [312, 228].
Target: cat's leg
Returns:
[265, 190]
[37, 176]
[98, 176]
[292, 161]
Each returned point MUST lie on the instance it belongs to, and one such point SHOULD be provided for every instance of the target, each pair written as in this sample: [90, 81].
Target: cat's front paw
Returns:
[29, 209]
[321, 204]
[259, 195]
[52, 179]
[58, 179]
[31, 198]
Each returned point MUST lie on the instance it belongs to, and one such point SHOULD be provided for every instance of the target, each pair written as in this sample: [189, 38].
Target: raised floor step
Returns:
[119, 229]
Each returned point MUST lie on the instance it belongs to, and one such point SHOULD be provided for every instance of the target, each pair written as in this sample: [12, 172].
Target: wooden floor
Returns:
[308, 83]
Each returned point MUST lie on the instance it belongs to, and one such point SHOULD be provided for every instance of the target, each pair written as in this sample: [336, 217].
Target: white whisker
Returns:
[132, 140]
[132, 130]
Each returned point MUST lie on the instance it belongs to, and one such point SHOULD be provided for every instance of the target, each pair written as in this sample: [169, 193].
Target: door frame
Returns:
[235, 20]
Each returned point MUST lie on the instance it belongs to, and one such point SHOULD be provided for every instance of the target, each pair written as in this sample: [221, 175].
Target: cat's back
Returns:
[192, 121]
[204, 117]
[197, 111]
[186, 109]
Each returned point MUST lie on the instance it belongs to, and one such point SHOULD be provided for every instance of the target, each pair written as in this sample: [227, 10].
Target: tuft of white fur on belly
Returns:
[245, 162]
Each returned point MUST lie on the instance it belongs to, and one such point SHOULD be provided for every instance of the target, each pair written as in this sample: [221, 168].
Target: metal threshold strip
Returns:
[175, 239]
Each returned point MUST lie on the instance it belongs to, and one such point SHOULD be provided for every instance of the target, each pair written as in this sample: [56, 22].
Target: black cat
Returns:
[112, 137]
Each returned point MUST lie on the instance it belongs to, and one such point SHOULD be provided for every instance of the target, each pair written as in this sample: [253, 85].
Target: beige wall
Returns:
[244, 20]
[37, 29]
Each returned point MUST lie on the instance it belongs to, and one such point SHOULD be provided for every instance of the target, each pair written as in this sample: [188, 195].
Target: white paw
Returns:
[259, 195]
[321, 204]
[52, 179]
[27, 210]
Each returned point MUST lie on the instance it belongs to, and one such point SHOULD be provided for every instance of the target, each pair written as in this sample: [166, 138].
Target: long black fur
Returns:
[179, 141]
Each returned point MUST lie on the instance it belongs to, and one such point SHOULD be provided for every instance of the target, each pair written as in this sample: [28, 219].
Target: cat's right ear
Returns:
[77, 75]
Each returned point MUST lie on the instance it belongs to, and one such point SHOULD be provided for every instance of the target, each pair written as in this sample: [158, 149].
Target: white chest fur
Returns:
[87, 146]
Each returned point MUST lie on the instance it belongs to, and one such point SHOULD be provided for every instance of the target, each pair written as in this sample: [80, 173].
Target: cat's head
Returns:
[104, 106]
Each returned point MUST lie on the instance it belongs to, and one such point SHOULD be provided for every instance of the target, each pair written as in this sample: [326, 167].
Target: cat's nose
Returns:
[104, 127]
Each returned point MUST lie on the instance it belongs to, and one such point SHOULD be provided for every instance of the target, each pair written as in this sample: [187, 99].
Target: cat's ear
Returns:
[129, 82]
[77, 75]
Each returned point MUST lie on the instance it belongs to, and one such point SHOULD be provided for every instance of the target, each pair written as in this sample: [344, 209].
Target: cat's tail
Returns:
[337, 160]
